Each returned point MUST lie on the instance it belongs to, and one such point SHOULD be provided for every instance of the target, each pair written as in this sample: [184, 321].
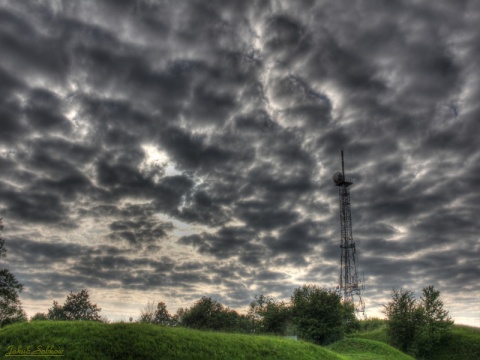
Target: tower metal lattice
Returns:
[350, 285]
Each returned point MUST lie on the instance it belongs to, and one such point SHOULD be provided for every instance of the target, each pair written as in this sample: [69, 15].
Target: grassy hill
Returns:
[367, 349]
[463, 343]
[90, 340]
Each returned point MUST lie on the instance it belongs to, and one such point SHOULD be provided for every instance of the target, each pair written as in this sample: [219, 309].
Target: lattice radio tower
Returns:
[350, 285]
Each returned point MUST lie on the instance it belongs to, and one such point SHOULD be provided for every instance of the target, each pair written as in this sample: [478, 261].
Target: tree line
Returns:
[314, 314]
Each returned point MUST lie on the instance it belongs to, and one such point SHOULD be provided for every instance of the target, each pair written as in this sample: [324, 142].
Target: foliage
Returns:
[269, 316]
[405, 319]
[436, 321]
[39, 316]
[93, 340]
[320, 315]
[56, 312]
[10, 306]
[209, 314]
[416, 326]
[156, 315]
[76, 307]
[371, 324]
[461, 342]
[178, 316]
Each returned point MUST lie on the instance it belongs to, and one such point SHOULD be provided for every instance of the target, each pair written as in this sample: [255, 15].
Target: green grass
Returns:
[364, 349]
[90, 340]
[378, 334]
[463, 343]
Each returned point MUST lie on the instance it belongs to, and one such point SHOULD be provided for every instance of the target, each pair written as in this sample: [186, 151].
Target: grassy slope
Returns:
[463, 343]
[367, 350]
[89, 340]
[379, 334]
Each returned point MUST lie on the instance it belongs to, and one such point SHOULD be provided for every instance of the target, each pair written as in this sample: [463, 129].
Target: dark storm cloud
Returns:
[33, 251]
[227, 242]
[191, 151]
[295, 239]
[42, 112]
[259, 216]
[139, 231]
[27, 51]
[120, 119]
[31, 207]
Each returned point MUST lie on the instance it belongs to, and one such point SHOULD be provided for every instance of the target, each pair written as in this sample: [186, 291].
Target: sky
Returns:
[169, 150]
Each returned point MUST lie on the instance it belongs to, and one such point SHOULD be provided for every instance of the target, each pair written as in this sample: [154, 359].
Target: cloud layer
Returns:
[175, 150]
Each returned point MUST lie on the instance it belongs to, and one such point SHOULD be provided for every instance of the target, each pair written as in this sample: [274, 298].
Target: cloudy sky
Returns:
[168, 150]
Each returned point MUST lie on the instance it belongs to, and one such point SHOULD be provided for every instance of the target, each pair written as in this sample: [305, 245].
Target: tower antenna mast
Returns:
[349, 285]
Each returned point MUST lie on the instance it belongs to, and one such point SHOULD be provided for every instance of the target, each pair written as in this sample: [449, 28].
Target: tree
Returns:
[320, 315]
[269, 316]
[162, 315]
[10, 306]
[158, 315]
[39, 316]
[56, 312]
[178, 316]
[416, 326]
[148, 313]
[207, 313]
[76, 307]
[405, 319]
[437, 323]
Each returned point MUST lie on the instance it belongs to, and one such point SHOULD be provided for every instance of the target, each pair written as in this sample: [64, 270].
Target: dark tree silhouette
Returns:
[39, 316]
[207, 313]
[10, 306]
[76, 307]
[269, 316]
[158, 315]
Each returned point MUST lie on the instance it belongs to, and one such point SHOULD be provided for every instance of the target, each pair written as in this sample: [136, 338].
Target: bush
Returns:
[416, 326]
[39, 316]
[269, 316]
[209, 314]
[320, 315]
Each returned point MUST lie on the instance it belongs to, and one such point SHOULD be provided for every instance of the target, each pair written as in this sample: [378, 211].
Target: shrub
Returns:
[210, 314]
[320, 315]
[416, 326]
[270, 316]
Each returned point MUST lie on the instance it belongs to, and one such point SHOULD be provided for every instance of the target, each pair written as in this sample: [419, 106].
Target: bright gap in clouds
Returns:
[155, 157]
